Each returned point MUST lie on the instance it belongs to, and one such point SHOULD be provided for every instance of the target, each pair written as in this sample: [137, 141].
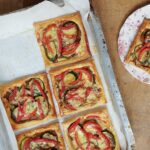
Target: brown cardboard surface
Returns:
[135, 94]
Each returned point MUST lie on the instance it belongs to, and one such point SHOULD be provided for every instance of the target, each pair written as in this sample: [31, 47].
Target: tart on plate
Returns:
[62, 40]
[77, 87]
[91, 132]
[44, 138]
[28, 101]
[139, 52]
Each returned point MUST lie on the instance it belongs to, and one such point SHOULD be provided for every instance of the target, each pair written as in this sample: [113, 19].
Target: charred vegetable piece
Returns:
[75, 97]
[25, 144]
[70, 77]
[111, 137]
[36, 87]
[45, 141]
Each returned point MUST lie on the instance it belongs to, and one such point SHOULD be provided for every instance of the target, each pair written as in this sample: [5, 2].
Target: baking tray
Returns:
[109, 81]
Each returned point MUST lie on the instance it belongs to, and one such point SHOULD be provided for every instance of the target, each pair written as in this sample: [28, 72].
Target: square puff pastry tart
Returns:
[62, 40]
[77, 87]
[28, 101]
[92, 131]
[41, 138]
[139, 51]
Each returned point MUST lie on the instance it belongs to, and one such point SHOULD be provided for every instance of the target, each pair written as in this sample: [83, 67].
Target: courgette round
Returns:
[23, 142]
[111, 137]
[70, 77]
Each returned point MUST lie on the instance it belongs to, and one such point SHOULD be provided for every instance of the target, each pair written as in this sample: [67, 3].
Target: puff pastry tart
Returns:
[139, 52]
[28, 101]
[46, 138]
[62, 40]
[91, 132]
[77, 87]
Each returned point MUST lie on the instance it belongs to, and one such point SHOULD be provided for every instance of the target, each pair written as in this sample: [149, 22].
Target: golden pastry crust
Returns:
[91, 65]
[83, 51]
[32, 133]
[130, 59]
[104, 118]
[6, 87]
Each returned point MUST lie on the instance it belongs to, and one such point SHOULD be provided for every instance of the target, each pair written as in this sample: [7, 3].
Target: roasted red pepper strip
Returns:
[88, 73]
[20, 113]
[98, 129]
[92, 136]
[59, 76]
[68, 106]
[78, 141]
[59, 36]
[85, 71]
[39, 87]
[13, 94]
[70, 49]
[75, 97]
[107, 141]
[88, 91]
[73, 126]
[92, 117]
[23, 91]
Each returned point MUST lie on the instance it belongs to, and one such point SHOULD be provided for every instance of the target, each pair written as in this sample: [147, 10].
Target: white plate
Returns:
[126, 36]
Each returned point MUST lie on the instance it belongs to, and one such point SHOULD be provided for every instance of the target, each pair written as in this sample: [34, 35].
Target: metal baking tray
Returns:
[110, 81]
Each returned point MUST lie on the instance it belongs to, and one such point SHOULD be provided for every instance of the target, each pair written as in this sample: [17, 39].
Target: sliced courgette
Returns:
[70, 77]
[61, 59]
[49, 135]
[44, 104]
[52, 55]
[36, 89]
[110, 136]
[23, 142]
